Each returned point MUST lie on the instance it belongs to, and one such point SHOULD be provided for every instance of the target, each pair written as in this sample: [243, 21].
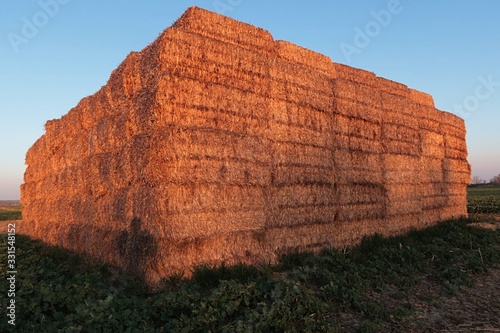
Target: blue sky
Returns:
[55, 52]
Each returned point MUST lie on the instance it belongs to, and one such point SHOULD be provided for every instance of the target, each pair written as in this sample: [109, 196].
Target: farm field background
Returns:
[484, 200]
[10, 210]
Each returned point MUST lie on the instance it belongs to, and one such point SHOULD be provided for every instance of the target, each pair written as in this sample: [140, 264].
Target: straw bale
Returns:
[398, 104]
[421, 98]
[302, 116]
[189, 49]
[223, 28]
[203, 118]
[341, 124]
[357, 92]
[457, 189]
[305, 237]
[402, 192]
[303, 215]
[300, 74]
[303, 195]
[432, 170]
[433, 189]
[358, 175]
[355, 109]
[178, 143]
[341, 141]
[299, 174]
[221, 75]
[401, 162]
[455, 153]
[404, 206]
[85, 113]
[188, 93]
[364, 129]
[457, 177]
[194, 171]
[231, 248]
[351, 159]
[280, 111]
[434, 202]
[303, 96]
[300, 154]
[432, 144]
[430, 217]
[402, 223]
[392, 87]
[124, 82]
[453, 131]
[197, 198]
[294, 53]
[121, 210]
[430, 125]
[396, 132]
[362, 211]
[457, 200]
[455, 143]
[365, 145]
[453, 212]
[344, 72]
[361, 193]
[216, 144]
[298, 134]
[402, 147]
[450, 119]
[401, 176]
[307, 117]
[108, 134]
[37, 151]
[53, 128]
[182, 227]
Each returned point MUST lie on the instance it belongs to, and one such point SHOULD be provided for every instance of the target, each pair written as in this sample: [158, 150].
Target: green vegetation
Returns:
[10, 212]
[368, 288]
[484, 199]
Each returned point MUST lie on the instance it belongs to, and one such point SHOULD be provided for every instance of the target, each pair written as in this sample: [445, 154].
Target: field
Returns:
[441, 279]
[484, 200]
[10, 210]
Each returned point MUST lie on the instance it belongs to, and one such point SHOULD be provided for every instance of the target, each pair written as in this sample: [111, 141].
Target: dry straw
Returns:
[218, 144]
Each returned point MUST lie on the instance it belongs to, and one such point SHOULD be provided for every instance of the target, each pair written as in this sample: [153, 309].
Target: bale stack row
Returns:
[218, 144]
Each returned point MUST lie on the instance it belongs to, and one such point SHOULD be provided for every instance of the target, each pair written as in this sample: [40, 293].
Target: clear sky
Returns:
[55, 52]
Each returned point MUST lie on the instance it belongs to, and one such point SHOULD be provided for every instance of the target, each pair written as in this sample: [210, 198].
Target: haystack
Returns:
[217, 143]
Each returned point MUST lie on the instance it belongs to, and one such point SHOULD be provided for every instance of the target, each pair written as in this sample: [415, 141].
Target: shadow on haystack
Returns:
[136, 248]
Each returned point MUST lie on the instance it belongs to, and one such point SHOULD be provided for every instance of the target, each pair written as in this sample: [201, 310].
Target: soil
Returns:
[471, 309]
[486, 221]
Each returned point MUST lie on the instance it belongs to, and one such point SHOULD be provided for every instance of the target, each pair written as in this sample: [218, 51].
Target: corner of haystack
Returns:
[217, 144]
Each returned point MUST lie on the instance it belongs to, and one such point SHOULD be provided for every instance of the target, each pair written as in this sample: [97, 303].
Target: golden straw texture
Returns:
[218, 144]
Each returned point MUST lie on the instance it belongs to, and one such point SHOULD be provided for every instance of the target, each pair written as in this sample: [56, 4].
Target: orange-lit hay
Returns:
[218, 144]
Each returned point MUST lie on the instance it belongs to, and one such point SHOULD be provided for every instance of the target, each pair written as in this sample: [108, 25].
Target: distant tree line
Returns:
[476, 180]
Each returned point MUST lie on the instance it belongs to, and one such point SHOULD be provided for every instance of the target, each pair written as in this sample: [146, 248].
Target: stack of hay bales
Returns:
[218, 144]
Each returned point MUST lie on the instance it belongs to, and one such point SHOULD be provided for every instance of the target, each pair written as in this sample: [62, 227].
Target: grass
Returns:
[59, 291]
[484, 199]
[10, 212]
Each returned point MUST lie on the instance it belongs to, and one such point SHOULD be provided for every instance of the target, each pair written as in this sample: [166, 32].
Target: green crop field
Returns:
[10, 212]
[484, 200]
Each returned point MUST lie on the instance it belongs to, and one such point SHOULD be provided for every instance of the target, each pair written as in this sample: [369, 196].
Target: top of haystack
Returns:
[223, 28]
[217, 26]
